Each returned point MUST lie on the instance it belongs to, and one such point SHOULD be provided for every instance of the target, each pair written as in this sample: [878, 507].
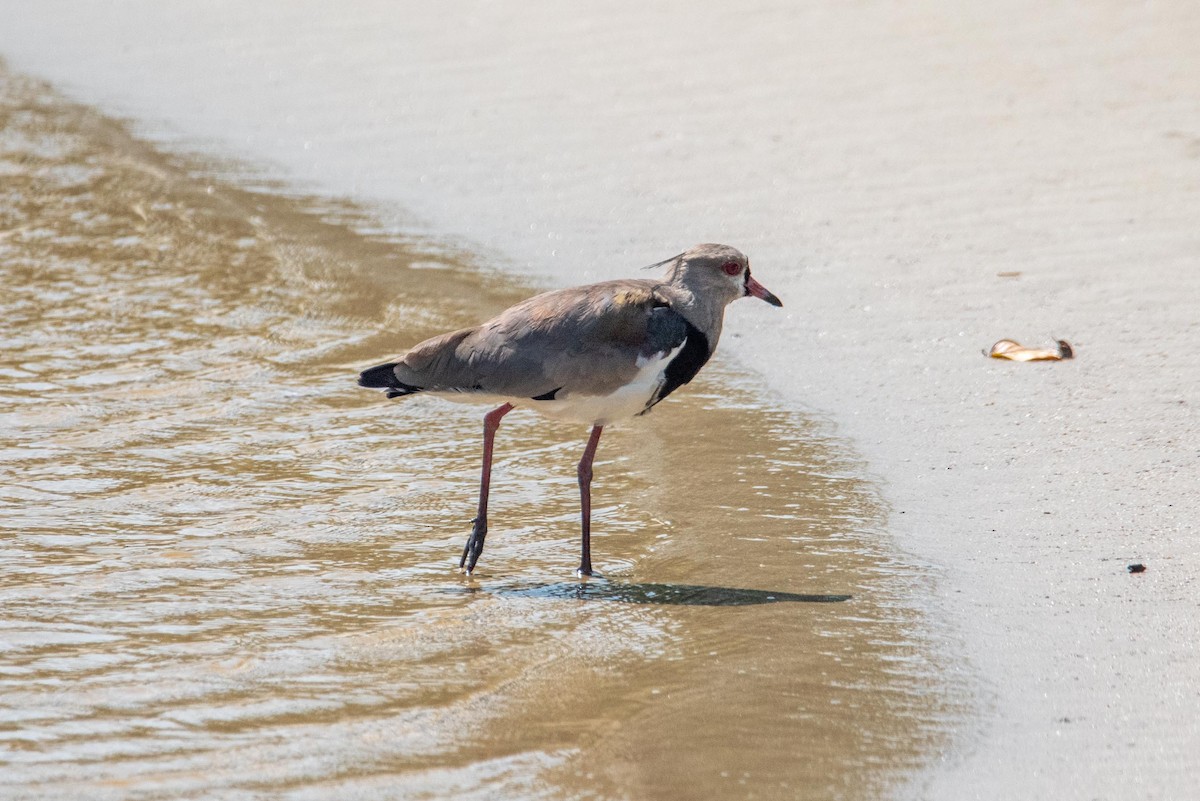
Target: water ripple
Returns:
[228, 572]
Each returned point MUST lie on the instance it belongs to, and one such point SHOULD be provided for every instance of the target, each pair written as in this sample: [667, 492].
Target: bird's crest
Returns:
[664, 261]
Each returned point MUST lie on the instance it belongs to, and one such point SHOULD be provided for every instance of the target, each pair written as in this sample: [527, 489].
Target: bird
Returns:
[590, 354]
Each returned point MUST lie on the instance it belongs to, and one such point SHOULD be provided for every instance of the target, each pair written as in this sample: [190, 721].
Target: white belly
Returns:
[600, 410]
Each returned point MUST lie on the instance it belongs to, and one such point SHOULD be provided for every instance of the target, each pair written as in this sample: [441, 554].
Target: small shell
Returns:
[1013, 351]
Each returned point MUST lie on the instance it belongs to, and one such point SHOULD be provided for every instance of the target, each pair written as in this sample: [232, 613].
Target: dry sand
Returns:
[883, 165]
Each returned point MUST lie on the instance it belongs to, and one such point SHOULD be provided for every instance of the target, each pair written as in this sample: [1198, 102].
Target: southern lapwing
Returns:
[592, 354]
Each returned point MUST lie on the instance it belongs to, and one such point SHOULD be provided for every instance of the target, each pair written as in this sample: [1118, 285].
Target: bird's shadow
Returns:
[654, 593]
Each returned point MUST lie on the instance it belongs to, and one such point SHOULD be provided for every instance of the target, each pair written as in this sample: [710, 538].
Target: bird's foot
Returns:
[584, 571]
[474, 546]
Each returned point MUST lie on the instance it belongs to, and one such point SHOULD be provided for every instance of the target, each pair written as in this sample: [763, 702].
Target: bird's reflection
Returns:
[655, 593]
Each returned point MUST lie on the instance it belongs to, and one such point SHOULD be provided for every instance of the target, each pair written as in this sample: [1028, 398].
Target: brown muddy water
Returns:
[226, 571]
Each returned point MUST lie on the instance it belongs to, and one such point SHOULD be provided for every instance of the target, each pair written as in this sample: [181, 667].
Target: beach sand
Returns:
[915, 182]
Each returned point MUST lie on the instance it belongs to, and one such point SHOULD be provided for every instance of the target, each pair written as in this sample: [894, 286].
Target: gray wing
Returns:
[587, 340]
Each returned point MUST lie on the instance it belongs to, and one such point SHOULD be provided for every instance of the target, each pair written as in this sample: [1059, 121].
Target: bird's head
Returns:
[718, 273]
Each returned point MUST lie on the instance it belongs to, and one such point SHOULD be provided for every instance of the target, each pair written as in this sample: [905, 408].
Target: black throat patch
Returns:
[685, 365]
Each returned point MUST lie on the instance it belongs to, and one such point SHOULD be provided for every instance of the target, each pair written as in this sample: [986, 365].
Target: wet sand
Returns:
[228, 571]
[916, 181]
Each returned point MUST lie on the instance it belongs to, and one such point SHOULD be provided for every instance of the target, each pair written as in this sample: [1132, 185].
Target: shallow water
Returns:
[227, 571]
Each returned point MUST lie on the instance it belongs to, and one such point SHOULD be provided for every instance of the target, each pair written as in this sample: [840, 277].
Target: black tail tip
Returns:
[381, 376]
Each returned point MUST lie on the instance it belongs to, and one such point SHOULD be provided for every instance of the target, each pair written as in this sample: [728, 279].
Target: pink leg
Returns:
[491, 422]
[585, 499]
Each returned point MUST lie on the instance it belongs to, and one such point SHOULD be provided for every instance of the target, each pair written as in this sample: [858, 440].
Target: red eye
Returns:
[731, 268]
